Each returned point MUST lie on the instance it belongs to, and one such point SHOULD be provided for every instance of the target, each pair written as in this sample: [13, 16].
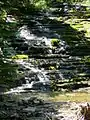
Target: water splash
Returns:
[24, 32]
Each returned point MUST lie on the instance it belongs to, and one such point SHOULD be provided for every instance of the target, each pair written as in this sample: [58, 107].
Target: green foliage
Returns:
[86, 2]
[41, 4]
[55, 42]
[3, 15]
[72, 1]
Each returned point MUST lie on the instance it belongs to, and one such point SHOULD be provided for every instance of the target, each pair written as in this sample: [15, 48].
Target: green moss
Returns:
[20, 57]
[52, 68]
[55, 42]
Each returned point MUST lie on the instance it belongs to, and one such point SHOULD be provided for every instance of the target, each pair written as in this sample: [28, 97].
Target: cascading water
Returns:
[55, 63]
[32, 40]
[38, 73]
[44, 40]
[29, 85]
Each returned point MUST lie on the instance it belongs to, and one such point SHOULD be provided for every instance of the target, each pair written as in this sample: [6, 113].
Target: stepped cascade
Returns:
[56, 50]
[50, 55]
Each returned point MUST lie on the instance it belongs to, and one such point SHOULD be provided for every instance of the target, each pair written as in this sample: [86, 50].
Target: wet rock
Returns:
[3, 88]
[23, 103]
[20, 82]
[41, 86]
[1, 98]
[38, 114]
[14, 116]
[38, 50]
[35, 101]
[29, 109]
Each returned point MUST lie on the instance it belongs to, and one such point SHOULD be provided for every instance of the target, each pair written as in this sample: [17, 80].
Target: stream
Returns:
[59, 67]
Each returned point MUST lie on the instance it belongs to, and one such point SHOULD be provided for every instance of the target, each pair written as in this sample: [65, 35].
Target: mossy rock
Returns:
[20, 57]
[52, 68]
[55, 42]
